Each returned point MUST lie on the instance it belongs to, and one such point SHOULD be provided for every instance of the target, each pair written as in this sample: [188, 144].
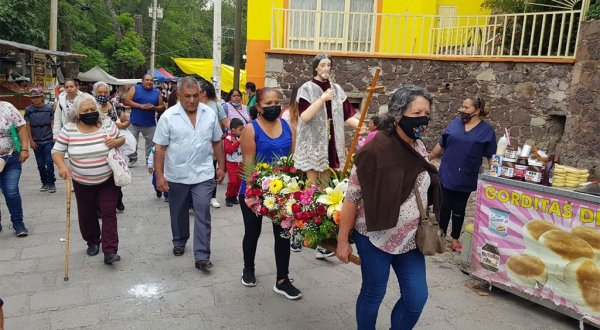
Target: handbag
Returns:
[429, 237]
[130, 145]
[118, 164]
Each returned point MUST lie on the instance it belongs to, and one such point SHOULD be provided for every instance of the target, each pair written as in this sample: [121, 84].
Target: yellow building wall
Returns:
[259, 21]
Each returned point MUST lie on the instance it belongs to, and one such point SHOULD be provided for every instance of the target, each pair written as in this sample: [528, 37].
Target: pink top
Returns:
[401, 238]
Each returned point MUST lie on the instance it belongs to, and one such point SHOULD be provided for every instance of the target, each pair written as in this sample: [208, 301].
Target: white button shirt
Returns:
[189, 155]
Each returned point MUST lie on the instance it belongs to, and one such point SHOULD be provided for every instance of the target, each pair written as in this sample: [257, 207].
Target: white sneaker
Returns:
[214, 203]
[323, 253]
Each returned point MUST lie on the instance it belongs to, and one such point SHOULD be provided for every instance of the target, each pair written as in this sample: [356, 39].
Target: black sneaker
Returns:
[248, 278]
[295, 245]
[235, 201]
[158, 194]
[44, 187]
[20, 229]
[120, 206]
[228, 202]
[323, 253]
[287, 289]
[93, 250]
[51, 188]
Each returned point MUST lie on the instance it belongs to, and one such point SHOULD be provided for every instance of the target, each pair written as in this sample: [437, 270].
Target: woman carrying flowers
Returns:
[381, 207]
[266, 139]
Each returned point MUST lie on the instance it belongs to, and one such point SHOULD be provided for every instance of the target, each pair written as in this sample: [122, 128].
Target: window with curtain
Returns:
[331, 25]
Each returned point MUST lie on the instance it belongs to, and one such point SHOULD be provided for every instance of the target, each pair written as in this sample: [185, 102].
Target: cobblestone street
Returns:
[152, 289]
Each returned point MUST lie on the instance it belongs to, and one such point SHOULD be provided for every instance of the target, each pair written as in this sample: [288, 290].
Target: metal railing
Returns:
[526, 35]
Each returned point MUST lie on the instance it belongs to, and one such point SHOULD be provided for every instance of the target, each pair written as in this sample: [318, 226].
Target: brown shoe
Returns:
[178, 250]
[203, 264]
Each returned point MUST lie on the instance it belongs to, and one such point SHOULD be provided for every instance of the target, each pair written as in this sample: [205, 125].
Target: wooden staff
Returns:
[68, 229]
[372, 88]
[331, 245]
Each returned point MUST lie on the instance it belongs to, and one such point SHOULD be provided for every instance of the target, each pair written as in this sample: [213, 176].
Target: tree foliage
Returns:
[89, 27]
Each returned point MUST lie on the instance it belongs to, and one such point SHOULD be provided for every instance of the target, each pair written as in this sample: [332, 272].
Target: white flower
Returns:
[334, 197]
[288, 205]
[291, 186]
[270, 203]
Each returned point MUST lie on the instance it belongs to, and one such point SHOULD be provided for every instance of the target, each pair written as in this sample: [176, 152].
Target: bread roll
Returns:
[590, 235]
[582, 285]
[531, 233]
[561, 248]
[526, 270]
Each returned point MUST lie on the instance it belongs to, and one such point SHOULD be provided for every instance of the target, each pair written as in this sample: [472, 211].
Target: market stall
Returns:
[539, 242]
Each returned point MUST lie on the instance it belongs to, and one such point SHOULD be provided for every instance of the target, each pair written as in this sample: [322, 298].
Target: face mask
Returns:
[90, 118]
[465, 116]
[414, 127]
[102, 99]
[271, 113]
[235, 104]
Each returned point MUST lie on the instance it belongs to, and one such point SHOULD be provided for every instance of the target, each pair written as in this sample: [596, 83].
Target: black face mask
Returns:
[271, 113]
[465, 116]
[414, 127]
[90, 118]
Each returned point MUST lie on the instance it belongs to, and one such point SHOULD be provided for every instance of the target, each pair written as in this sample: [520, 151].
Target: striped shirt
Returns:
[87, 152]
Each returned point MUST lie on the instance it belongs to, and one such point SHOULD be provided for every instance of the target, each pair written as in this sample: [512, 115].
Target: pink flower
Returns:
[265, 184]
[306, 197]
[287, 223]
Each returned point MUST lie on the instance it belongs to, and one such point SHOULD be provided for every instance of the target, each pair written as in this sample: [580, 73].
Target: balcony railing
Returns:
[526, 35]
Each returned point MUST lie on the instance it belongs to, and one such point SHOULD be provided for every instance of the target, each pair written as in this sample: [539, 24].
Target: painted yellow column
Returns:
[260, 16]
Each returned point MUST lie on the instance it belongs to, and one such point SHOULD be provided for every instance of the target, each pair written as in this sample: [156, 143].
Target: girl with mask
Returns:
[63, 108]
[381, 206]
[464, 143]
[267, 138]
[88, 140]
[109, 111]
[235, 108]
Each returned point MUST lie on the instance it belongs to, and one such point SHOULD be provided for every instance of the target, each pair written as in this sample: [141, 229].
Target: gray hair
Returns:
[98, 84]
[317, 59]
[187, 81]
[399, 103]
[81, 98]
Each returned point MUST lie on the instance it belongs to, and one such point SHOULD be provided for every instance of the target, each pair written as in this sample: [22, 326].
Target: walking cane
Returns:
[68, 229]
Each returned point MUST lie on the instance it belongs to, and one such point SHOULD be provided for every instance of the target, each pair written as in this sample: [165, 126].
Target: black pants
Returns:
[252, 228]
[214, 193]
[454, 204]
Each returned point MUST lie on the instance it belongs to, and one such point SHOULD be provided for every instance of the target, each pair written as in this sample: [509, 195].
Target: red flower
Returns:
[298, 216]
[318, 220]
[286, 168]
[297, 195]
[292, 169]
[321, 209]
[296, 208]
[264, 211]
[276, 170]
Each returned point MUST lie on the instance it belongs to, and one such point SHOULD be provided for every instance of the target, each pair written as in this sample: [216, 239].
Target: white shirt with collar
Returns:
[189, 156]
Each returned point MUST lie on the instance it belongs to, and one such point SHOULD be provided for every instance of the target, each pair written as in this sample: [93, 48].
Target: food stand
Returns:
[539, 242]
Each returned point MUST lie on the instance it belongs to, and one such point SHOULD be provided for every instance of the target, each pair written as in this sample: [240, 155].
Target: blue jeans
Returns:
[375, 268]
[45, 165]
[9, 183]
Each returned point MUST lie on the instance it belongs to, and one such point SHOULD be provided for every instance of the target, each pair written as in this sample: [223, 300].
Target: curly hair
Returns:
[399, 103]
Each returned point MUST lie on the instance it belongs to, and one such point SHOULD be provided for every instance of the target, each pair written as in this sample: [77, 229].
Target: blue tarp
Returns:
[159, 76]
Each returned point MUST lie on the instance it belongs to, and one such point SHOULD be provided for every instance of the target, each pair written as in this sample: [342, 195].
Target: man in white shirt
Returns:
[187, 136]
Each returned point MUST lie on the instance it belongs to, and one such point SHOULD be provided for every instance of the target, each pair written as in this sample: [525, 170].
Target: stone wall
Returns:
[555, 104]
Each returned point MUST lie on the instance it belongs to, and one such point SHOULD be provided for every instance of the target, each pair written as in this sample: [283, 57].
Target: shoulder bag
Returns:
[429, 237]
[118, 163]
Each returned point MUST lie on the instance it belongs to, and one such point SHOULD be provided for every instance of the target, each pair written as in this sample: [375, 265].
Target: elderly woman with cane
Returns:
[88, 141]
[381, 206]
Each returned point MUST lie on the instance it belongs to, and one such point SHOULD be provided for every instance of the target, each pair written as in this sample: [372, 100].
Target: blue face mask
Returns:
[235, 104]
[102, 99]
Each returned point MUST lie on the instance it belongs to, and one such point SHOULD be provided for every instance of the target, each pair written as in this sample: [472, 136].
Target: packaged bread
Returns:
[591, 235]
[526, 270]
[582, 285]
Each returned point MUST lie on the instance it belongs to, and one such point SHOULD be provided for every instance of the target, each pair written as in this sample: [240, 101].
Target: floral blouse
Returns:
[401, 238]
[9, 116]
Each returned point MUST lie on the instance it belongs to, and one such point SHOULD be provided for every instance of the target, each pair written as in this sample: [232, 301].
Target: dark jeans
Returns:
[454, 204]
[9, 184]
[214, 192]
[375, 270]
[252, 229]
[45, 165]
[91, 198]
